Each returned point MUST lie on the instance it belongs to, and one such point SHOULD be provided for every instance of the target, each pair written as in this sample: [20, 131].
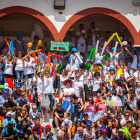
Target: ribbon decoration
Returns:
[103, 48]
[119, 72]
[59, 67]
[117, 38]
[48, 58]
[4, 36]
[51, 72]
[79, 58]
[105, 101]
[97, 44]
[92, 54]
[39, 68]
[11, 47]
[115, 48]
[35, 55]
[56, 55]
[110, 39]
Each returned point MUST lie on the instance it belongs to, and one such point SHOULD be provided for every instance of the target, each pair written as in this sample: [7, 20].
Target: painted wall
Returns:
[124, 7]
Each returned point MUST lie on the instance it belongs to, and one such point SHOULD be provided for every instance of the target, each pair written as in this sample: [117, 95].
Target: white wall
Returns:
[124, 7]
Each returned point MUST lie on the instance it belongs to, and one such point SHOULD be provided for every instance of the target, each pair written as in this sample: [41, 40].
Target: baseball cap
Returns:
[48, 126]
[133, 131]
[112, 48]
[5, 91]
[10, 122]
[74, 50]
[111, 68]
[88, 123]
[21, 131]
[120, 130]
[66, 120]
[104, 130]
[19, 35]
[18, 85]
[138, 65]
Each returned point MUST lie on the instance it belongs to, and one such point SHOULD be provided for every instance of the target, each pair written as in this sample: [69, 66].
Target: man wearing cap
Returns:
[9, 132]
[104, 135]
[1, 88]
[88, 130]
[7, 119]
[48, 90]
[120, 135]
[23, 101]
[20, 135]
[3, 97]
[47, 134]
[16, 92]
[137, 73]
[19, 44]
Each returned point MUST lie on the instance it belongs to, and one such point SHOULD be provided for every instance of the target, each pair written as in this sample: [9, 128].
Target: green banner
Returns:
[59, 46]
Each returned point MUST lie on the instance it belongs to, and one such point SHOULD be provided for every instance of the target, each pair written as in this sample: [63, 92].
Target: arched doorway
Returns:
[33, 13]
[101, 11]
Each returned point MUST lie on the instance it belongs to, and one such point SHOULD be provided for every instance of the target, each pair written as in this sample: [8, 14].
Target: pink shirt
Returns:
[101, 107]
[89, 109]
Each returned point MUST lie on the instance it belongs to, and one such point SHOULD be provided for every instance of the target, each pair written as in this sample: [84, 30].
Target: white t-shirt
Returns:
[81, 79]
[73, 67]
[19, 65]
[42, 58]
[123, 121]
[106, 70]
[136, 76]
[68, 91]
[8, 68]
[81, 40]
[96, 84]
[76, 85]
[62, 79]
[96, 58]
[47, 85]
[39, 85]
[63, 124]
[33, 64]
[28, 68]
[134, 63]
[115, 59]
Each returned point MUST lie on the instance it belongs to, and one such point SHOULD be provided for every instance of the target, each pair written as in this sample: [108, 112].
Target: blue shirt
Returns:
[22, 102]
[3, 100]
[5, 122]
[49, 137]
[8, 134]
[78, 137]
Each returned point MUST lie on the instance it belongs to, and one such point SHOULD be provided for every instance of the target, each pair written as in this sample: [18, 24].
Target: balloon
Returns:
[40, 43]
[119, 72]
[96, 99]
[30, 44]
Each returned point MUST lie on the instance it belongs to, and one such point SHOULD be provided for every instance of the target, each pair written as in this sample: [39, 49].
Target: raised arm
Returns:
[42, 74]
[121, 51]
[129, 52]
[55, 72]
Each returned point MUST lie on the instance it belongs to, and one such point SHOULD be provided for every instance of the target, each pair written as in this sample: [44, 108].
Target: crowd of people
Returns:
[98, 98]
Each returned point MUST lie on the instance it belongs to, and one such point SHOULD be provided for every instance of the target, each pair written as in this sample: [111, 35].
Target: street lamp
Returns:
[59, 4]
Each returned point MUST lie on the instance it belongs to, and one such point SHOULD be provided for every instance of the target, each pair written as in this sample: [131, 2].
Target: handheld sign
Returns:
[59, 46]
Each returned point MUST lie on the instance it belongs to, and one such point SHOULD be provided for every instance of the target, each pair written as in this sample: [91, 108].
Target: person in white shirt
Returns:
[19, 66]
[137, 73]
[47, 97]
[28, 67]
[97, 79]
[66, 126]
[9, 61]
[81, 37]
[134, 62]
[78, 86]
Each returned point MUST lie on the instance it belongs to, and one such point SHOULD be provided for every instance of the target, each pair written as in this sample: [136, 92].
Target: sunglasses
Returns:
[33, 108]
[81, 27]
[89, 100]
[24, 109]
[126, 115]
[104, 133]
[47, 73]
[19, 53]
[59, 107]
[105, 116]
[23, 95]
[77, 76]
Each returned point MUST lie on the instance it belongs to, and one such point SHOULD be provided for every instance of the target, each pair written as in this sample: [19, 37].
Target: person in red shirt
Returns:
[38, 126]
